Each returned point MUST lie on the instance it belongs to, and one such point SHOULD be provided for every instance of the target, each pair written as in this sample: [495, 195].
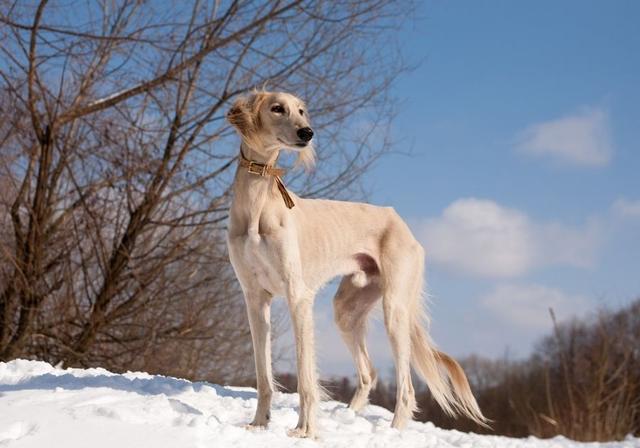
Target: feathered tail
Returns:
[444, 376]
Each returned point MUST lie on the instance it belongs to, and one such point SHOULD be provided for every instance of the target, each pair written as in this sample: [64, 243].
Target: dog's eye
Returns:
[278, 109]
[301, 112]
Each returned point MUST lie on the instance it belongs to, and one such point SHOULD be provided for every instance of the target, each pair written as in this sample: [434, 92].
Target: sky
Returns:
[522, 122]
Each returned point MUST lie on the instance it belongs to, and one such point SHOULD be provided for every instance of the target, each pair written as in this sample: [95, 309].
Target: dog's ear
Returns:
[239, 116]
[244, 114]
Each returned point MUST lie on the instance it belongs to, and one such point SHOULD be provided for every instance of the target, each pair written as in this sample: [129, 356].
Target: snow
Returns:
[43, 406]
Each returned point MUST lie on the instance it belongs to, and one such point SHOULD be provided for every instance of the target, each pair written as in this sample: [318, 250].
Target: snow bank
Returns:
[41, 406]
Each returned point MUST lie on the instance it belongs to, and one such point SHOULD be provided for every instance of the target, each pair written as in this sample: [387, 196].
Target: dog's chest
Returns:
[261, 258]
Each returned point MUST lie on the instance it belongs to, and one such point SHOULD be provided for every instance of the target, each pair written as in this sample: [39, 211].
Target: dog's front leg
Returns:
[301, 309]
[259, 312]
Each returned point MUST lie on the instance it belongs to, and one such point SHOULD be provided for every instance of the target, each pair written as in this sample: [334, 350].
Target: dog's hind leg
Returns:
[402, 279]
[396, 318]
[352, 305]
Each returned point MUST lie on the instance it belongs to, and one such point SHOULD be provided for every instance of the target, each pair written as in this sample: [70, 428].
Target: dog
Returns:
[281, 245]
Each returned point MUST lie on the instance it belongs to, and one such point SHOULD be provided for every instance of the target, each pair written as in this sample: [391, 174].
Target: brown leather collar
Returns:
[262, 169]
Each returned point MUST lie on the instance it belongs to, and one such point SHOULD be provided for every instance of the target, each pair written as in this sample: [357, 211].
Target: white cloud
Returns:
[483, 238]
[527, 305]
[580, 139]
[480, 237]
[626, 208]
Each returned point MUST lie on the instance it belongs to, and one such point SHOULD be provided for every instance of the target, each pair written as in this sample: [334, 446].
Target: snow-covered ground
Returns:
[41, 406]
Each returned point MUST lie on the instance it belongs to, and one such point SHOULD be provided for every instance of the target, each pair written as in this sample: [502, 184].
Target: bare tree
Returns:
[116, 161]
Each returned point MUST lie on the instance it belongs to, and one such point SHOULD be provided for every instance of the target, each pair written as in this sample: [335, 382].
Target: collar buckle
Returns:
[257, 168]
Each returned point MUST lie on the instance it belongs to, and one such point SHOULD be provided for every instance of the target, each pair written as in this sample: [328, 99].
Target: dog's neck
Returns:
[253, 193]
[264, 156]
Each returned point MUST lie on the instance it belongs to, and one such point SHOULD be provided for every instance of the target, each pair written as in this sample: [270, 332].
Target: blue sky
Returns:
[523, 123]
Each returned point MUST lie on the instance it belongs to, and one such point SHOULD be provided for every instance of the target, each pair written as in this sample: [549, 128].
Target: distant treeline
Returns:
[582, 381]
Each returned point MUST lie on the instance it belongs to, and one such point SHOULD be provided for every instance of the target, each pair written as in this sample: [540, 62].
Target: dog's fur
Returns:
[276, 251]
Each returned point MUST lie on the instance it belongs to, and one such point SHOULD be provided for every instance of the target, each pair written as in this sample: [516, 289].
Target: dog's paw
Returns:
[260, 421]
[255, 427]
[301, 433]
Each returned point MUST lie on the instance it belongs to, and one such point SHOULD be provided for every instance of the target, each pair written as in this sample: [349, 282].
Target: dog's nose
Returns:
[305, 134]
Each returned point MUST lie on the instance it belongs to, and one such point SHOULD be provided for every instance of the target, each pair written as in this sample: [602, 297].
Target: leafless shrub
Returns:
[592, 378]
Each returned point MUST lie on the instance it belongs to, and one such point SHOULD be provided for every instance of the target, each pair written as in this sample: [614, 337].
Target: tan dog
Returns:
[291, 252]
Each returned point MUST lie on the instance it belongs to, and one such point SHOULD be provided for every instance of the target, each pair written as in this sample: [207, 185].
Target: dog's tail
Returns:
[444, 376]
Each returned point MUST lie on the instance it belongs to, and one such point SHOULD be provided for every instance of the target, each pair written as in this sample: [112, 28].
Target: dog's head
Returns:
[269, 121]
